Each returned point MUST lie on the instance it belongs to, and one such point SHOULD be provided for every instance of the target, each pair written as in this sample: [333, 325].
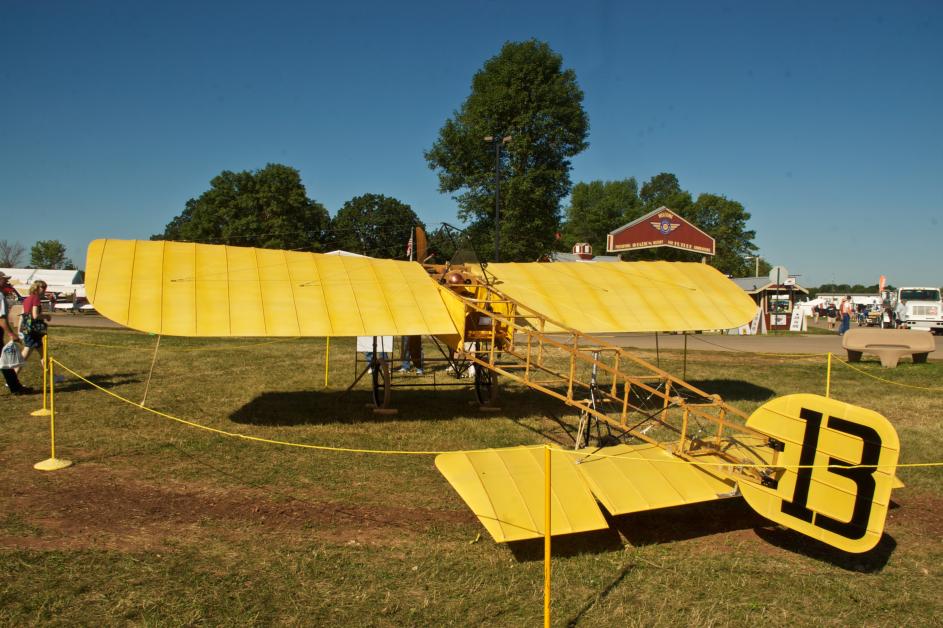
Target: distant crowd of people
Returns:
[30, 334]
[840, 314]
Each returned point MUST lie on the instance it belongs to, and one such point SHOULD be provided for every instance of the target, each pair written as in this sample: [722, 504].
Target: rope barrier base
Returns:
[40, 412]
[52, 464]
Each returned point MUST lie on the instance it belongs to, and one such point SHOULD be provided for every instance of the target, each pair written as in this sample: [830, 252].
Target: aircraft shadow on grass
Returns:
[872, 561]
[107, 382]
[667, 525]
[426, 404]
[733, 390]
[652, 527]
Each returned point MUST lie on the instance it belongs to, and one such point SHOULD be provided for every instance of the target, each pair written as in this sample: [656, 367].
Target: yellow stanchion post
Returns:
[44, 411]
[547, 537]
[327, 360]
[828, 376]
[52, 463]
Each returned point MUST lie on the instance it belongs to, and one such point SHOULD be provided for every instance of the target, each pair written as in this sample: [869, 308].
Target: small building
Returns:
[777, 301]
[662, 227]
[582, 252]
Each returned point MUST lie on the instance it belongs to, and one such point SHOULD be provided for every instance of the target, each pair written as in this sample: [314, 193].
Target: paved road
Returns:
[792, 343]
[60, 319]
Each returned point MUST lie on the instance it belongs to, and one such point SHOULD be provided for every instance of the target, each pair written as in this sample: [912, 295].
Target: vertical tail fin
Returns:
[835, 470]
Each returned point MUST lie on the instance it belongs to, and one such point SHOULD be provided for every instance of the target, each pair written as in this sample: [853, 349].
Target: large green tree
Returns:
[375, 225]
[726, 221]
[664, 190]
[523, 93]
[49, 254]
[598, 207]
[267, 208]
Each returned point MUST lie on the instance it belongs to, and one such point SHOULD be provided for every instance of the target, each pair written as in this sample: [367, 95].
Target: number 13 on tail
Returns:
[837, 469]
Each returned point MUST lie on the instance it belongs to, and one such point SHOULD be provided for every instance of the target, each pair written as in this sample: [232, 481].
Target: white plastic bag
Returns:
[10, 358]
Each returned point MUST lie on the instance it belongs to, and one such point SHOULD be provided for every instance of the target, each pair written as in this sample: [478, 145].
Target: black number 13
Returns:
[862, 476]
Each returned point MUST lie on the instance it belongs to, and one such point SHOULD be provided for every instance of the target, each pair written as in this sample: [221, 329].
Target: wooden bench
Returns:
[888, 344]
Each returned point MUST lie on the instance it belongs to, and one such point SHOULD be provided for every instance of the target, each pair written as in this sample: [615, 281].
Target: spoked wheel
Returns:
[486, 385]
[381, 382]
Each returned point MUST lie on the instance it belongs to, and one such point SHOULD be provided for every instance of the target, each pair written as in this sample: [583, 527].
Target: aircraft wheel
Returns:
[381, 383]
[486, 385]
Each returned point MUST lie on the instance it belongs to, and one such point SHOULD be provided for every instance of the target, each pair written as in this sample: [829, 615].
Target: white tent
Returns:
[345, 254]
[58, 281]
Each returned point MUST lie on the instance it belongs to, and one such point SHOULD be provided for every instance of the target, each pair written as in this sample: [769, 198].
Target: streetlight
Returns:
[498, 141]
[756, 258]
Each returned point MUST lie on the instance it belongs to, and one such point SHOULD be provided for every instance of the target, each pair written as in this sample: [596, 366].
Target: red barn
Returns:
[662, 227]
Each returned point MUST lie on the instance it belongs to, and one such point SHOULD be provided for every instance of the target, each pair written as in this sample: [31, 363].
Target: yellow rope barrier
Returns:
[888, 381]
[178, 350]
[572, 452]
[778, 355]
[395, 452]
[828, 376]
[246, 436]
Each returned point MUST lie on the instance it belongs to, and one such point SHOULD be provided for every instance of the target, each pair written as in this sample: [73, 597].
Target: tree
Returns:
[593, 214]
[764, 268]
[11, 254]
[50, 254]
[375, 225]
[664, 190]
[723, 219]
[597, 208]
[523, 93]
[726, 221]
[268, 208]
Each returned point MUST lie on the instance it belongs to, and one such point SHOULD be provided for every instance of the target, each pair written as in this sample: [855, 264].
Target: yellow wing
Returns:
[505, 487]
[184, 289]
[628, 296]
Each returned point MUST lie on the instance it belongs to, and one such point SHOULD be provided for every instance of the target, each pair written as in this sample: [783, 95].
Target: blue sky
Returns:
[822, 118]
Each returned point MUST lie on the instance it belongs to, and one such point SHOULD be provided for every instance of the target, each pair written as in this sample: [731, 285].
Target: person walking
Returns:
[9, 375]
[845, 310]
[33, 321]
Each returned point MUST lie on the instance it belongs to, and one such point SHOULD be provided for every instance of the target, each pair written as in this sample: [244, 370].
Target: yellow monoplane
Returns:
[822, 467]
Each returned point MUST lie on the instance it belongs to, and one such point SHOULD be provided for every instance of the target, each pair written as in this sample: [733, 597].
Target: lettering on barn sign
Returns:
[662, 227]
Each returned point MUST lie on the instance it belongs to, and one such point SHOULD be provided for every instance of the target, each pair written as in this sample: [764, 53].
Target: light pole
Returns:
[498, 141]
[756, 259]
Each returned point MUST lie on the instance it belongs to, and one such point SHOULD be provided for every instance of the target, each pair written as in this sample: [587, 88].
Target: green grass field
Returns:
[162, 523]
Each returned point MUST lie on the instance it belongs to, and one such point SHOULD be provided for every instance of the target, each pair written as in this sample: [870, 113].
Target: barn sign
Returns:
[662, 227]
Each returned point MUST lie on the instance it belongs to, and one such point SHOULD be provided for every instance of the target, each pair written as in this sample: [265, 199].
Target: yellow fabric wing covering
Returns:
[184, 289]
[505, 487]
[633, 478]
[505, 490]
[628, 296]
